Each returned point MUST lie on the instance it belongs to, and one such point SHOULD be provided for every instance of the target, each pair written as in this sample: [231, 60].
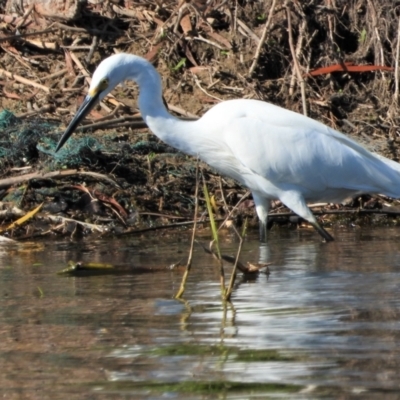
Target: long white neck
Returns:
[164, 125]
[151, 104]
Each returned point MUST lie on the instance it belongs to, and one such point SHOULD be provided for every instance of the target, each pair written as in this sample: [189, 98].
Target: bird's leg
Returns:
[295, 201]
[263, 231]
[265, 226]
[264, 253]
[328, 237]
[262, 208]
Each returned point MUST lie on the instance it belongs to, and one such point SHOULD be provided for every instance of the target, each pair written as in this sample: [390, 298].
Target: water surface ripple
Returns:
[324, 324]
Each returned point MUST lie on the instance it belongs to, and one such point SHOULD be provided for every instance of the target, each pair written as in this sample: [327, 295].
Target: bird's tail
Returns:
[394, 176]
[393, 164]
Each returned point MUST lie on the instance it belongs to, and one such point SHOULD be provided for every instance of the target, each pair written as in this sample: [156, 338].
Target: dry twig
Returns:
[93, 227]
[23, 80]
[25, 34]
[16, 180]
[295, 61]
[396, 68]
[263, 37]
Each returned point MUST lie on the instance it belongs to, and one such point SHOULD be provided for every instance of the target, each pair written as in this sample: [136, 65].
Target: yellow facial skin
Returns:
[103, 85]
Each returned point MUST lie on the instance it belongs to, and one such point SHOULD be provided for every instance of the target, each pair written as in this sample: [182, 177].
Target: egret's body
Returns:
[276, 153]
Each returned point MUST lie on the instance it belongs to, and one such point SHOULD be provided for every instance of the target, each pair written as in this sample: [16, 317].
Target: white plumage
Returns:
[276, 153]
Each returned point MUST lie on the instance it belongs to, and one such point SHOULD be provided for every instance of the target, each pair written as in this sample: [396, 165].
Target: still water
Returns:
[325, 324]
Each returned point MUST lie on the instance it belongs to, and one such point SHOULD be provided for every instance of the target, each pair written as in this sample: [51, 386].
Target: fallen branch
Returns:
[41, 110]
[337, 212]
[5, 183]
[23, 80]
[271, 216]
[169, 226]
[22, 35]
[58, 219]
[132, 122]
[83, 30]
[42, 45]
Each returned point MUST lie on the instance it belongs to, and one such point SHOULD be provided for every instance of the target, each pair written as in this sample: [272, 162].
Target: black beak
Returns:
[83, 110]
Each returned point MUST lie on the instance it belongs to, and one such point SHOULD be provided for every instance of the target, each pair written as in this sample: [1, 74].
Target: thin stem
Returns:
[263, 37]
[295, 61]
[190, 257]
[229, 290]
[215, 239]
[396, 69]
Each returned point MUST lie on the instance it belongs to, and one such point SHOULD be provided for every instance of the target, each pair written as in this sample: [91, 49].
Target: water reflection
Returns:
[324, 323]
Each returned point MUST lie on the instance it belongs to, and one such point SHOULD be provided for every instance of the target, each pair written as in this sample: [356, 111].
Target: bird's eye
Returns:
[103, 84]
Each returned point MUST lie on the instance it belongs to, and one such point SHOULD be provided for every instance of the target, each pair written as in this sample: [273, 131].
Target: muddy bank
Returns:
[115, 176]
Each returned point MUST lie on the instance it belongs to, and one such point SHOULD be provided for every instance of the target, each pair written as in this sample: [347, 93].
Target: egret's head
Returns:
[111, 71]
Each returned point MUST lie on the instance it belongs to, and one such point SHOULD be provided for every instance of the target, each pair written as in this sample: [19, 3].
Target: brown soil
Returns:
[204, 52]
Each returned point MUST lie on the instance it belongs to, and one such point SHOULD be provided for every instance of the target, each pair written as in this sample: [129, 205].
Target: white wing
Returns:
[293, 151]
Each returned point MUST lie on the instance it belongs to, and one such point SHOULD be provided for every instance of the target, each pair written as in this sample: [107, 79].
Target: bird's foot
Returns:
[325, 235]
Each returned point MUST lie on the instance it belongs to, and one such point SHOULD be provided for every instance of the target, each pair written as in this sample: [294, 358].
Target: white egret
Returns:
[276, 153]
